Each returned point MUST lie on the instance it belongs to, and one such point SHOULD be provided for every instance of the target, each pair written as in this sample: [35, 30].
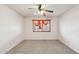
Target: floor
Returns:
[41, 47]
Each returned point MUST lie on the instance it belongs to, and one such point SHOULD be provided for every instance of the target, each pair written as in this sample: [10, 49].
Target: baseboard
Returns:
[69, 46]
[5, 52]
[1, 52]
[40, 39]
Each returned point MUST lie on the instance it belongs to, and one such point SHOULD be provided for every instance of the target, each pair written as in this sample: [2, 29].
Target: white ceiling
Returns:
[24, 11]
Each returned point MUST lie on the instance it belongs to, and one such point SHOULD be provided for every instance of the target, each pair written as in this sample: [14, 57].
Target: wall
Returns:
[69, 28]
[10, 29]
[30, 35]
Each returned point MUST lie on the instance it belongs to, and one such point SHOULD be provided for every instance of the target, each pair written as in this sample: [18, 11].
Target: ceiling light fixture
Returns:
[41, 12]
[43, 6]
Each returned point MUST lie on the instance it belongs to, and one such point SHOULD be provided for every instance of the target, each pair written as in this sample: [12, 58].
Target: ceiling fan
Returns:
[41, 9]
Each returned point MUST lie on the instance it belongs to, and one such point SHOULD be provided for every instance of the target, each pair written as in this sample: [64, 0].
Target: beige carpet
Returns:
[41, 47]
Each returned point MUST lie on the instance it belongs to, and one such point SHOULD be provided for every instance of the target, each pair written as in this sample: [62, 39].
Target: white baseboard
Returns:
[40, 39]
[3, 52]
[8, 49]
[77, 51]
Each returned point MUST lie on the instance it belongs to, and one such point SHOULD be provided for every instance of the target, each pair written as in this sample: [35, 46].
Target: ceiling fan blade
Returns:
[49, 11]
[39, 7]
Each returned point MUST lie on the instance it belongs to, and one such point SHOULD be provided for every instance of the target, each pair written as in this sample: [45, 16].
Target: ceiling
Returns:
[24, 11]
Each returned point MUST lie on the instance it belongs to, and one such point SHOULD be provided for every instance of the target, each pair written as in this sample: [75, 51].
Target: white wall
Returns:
[30, 35]
[69, 28]
[10, 28]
